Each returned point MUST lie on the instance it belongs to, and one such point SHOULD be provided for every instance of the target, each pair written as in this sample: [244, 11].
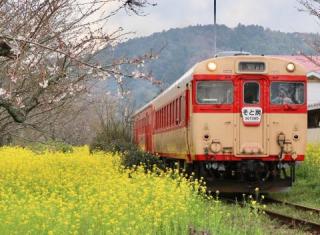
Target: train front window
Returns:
[251, 93]
[214, 92]
[287, 93]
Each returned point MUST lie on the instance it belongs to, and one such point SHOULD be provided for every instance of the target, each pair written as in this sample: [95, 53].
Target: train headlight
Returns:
[291, 67]
[215, 147]
[212, 66]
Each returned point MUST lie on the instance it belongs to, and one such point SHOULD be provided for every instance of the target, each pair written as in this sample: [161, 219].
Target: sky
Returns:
[280, 15]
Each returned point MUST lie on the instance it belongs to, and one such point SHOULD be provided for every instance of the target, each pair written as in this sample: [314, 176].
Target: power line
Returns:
[214, 28]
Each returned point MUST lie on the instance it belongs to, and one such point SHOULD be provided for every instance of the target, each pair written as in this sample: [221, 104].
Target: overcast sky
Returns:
[280, 15]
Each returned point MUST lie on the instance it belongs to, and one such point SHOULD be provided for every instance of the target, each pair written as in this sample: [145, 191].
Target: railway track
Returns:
[283, 219]
[291, 221]
[296, 206]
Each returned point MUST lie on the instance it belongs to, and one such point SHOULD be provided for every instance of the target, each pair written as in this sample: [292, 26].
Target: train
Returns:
[239, 121]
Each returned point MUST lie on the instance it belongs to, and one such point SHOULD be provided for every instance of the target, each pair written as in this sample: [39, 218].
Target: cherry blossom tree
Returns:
[47, 50]
[312, 7]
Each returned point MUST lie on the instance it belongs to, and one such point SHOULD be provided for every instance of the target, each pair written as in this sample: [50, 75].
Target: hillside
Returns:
[182, 47]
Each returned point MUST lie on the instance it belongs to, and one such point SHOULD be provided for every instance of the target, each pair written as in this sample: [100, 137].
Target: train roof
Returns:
[228, 65]
[185, 78]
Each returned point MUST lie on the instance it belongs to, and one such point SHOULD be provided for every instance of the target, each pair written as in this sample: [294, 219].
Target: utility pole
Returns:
[215, 28]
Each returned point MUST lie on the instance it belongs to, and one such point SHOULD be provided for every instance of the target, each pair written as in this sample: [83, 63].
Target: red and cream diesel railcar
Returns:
[238, 121]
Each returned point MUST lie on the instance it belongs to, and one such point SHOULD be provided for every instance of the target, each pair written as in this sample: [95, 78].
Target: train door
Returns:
[252, 119]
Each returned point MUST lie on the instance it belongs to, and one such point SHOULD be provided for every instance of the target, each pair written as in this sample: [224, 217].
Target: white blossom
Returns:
[14, 78]
[57, 99]
[43, 84]
[2, 92]
[21, 38]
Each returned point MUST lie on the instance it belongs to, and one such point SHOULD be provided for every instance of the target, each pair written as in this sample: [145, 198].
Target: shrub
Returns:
[112, 139]
[116, 138]
[135, 157]
[51, 146]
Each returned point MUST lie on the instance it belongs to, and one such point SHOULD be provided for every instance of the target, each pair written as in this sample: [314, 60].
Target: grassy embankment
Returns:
[306, 189]
[79, 193]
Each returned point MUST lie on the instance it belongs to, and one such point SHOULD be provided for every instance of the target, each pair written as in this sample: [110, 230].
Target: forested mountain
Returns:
[182, 47]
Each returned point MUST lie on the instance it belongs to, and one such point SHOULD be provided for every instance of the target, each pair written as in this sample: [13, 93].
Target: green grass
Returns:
[306, 189]
[296, 213]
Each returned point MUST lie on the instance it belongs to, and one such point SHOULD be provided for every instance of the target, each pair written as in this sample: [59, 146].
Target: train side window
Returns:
[161, 117]
[172, 114]
[180, 98]
[168, 123]
[251, 93]
[157, 120]
[170, 107]
[162, 125]
[214, 92]
[176, 113]
[163, 109]
[287, 93]
[183, 109]
[167, 116]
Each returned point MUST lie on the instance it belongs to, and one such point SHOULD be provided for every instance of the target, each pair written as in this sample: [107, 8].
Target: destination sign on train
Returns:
[251, 115]
[251, 67]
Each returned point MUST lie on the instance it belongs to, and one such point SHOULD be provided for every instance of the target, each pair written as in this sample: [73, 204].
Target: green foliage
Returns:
[112, 138]
[135, 157]
[117, 139]
[51, 146]
[306, 189]
[310, 168]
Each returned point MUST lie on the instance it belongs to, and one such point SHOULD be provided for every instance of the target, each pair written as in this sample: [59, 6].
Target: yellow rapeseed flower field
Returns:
[58, 193]
[313, 154]
[82, 193]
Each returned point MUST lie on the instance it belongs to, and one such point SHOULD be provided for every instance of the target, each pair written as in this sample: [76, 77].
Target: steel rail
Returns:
[297, 206]
[292, 222]
[287, 220]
